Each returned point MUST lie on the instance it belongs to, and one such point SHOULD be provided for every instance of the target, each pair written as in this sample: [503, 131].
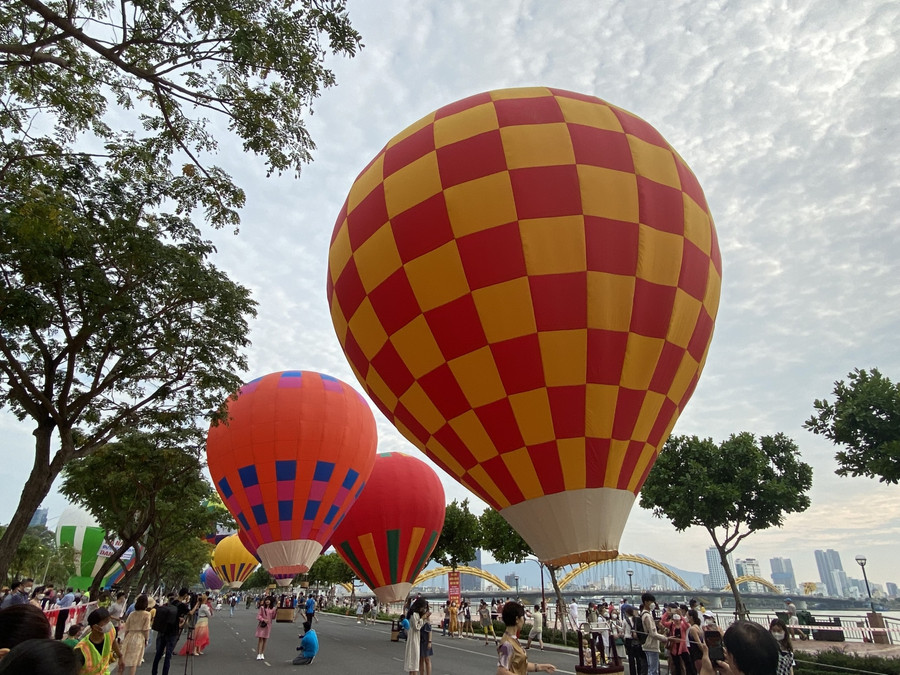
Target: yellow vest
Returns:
[96, 663]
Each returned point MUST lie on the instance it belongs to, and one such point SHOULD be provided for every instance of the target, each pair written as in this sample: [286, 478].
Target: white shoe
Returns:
[259, 657]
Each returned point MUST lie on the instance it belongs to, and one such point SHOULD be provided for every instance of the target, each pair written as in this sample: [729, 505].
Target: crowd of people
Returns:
[118, 633]
[35, 637]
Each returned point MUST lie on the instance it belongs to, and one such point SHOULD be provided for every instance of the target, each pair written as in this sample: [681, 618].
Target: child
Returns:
[73, 633]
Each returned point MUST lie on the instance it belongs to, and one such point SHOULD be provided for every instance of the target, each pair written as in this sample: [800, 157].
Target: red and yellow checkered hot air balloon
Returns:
[293, 457]
[232, 562]
[389, 534]
[526, 282]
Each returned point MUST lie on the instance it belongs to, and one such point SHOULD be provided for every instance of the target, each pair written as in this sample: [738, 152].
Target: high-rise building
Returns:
[717, 577]
[749, 567]
[39, 518]
[469, 582]
[891, 589]
[783, 573]
[831, 571]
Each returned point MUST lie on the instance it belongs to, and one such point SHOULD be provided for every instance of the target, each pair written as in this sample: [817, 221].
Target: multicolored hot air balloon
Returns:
[78, 528]
[232, 562]
[210, 579]
[295, 454]
[389, 534]
[526, 282]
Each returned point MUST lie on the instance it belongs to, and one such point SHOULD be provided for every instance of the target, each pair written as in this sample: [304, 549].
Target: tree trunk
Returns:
[740, 611]
[560, 603]
[43, 472]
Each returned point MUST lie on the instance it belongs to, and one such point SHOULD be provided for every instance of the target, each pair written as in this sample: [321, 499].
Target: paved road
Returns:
[344, 647]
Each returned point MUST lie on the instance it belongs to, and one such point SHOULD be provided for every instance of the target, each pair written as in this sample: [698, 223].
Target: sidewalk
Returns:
[862, 648]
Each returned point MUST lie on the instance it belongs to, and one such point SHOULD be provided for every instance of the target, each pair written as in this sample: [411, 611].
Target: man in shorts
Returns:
[537, 628]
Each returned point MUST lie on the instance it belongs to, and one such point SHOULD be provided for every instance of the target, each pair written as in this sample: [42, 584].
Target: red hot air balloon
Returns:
[526, 283]
[295, 454]
[389, 534]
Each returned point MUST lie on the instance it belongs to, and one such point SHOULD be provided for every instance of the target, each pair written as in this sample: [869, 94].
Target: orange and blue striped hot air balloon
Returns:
[294, 455]
[232, 562]
[526, 283]
[389, 534]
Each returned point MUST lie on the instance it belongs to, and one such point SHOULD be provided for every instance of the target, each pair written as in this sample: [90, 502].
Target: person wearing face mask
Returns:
[37, 597]
[99, 646]
[19, 594]
[779, 631]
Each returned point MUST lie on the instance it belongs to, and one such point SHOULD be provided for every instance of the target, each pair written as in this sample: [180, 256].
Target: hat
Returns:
[788, 600]
[708, 615]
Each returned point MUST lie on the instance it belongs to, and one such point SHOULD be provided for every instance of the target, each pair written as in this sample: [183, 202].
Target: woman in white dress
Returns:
[416, 619]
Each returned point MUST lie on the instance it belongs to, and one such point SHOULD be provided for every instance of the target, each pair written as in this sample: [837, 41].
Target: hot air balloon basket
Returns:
[284, 615]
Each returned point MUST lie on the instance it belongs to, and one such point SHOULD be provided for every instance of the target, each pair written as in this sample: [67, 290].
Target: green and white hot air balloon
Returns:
[78, 528]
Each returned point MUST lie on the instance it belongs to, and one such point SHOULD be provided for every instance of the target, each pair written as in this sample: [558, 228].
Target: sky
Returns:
[787, 114]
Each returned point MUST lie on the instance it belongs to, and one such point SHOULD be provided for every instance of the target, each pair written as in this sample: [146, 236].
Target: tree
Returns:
[460, 537]
[260, 578]
[112, 317]
[731, 490]
[39, 558]
[146, 77]
[865, 420]
[178, 564]
[124, 484]
[500, 539]
[330, 569]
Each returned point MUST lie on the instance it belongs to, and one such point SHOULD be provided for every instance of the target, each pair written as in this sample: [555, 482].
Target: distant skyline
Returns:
[788, 118]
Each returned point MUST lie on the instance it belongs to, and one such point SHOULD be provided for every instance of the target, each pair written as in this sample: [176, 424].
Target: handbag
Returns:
[263, 624]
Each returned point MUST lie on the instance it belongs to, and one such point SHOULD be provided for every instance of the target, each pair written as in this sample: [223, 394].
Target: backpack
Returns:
[637, 627]
[166, 619]
[367, 608]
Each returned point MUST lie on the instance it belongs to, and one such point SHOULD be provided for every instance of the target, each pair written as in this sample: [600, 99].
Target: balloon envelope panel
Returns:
[526, 283]
[295, 454]
[389, 534]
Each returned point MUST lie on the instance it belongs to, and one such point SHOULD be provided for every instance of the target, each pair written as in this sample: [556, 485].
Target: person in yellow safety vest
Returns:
[99, 645]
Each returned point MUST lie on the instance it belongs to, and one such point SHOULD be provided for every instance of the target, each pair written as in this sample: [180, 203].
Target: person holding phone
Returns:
[749, 649]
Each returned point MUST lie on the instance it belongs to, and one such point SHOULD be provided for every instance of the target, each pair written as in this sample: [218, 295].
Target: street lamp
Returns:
[861, 559]
[517, 587]
[543, 597]
[630, 573]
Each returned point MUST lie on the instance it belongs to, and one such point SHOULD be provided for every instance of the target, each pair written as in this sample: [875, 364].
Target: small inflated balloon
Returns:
[389, 534]
[526, 282]
[78, 528]
[294, 455]
[232, 562]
